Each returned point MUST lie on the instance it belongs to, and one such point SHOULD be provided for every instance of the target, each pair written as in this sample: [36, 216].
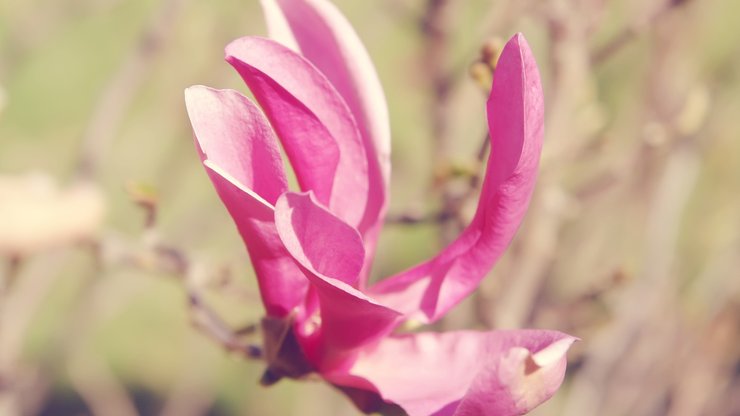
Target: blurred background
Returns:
[108, 224]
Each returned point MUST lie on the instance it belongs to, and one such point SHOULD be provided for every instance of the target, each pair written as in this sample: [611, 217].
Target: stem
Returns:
[435, 27]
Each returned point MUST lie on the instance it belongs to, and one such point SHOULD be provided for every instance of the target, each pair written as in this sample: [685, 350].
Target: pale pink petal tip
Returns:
[497, 373]
[524, 378]
[234, 134]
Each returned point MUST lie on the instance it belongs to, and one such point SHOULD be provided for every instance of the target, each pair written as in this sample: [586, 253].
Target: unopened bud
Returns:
[146, 197]
[482, 75]
[491, 51]
[694, 111]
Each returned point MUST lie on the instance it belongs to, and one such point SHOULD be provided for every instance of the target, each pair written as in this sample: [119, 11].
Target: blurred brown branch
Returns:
[168, 259]
[435, 26]
[633, 31]
[117, 96]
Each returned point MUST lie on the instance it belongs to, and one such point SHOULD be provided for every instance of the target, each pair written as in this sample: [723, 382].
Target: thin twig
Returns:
[175, 261]
[212, 325]
[632, 32]
[455, 205]
[416, 219]
[475, 181]
[12, 268]
[172, 260]
[435, 28]
[99, 388]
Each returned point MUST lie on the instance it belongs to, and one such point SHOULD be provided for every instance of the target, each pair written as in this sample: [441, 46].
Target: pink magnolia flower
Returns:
[312, 249]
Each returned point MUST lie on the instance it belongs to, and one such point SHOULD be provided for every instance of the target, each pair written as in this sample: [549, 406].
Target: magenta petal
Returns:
[244, 164]
[312, 120]
[515, 117]
[496, 373]
[331, 254]
[232, 132]
[283, 286]
[325, 37]
[317, 239]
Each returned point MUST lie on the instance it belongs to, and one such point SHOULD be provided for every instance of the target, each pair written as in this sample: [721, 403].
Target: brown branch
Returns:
[410, 218]
[12, 268]
[475, 180]
[99, 388]
[454, 204]
[209, 323]
[172, 260]
[435, 26]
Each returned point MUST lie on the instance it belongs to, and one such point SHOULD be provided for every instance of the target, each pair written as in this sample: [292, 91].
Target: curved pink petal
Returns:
[232, 132]
[277, 25]
[496, 373]
[320, 240]
[242, 159]
[312, 120]
[327, 39]
[331, 254]
[515, 117]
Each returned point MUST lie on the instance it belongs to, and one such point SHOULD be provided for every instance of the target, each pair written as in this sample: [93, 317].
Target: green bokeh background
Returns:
[58, 58]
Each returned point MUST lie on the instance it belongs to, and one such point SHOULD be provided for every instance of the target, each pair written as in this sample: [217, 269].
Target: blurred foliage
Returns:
[632, 241]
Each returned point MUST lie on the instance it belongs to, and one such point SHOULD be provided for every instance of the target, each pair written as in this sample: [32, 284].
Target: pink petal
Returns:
[232, 132]
[496, 373]
[244, 164]
[327, 39]
[312, 120]
[515, 117]
[331, 254]
[318, 239]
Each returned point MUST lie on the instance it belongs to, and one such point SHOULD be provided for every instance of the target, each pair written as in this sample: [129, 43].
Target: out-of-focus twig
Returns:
[173, 260]
[435, 26]
[412, 218]
[632, 32]
[153, 254]
[515, 309]
[191, 398]
[97, 385]
[210, 323]
[482, 72]
[651, 290]
[33, 285]
[12, 268]
[122, 88]
[707, 358]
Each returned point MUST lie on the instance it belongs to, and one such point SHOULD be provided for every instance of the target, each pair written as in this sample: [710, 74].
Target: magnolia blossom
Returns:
[312, 248]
